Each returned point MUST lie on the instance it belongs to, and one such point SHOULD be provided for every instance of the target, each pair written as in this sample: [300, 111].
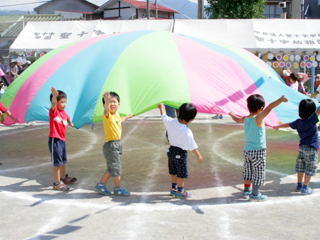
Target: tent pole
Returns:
[148, 9]
[156, 6]
[313, 71]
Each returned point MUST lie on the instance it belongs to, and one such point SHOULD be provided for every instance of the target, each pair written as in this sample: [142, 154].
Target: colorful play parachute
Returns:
[146, 68]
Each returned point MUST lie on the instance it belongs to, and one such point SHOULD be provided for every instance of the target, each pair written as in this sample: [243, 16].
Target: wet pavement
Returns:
[30, 209]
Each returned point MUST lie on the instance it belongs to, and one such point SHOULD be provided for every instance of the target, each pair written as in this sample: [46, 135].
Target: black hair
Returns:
[294, 76]
[187, 112]
[61, 94]
[112, 94]
[306, 108]
[255, 102]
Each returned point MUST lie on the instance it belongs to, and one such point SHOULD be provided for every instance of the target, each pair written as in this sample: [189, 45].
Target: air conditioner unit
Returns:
[282, 4]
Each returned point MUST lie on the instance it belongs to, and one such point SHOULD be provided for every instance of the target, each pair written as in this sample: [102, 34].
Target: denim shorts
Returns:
[307, 160]
[112, 152]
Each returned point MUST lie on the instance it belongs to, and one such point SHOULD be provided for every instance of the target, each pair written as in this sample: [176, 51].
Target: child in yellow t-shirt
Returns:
[112, 148]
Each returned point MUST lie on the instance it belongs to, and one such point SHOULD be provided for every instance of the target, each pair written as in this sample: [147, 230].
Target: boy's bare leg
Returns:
[63, 171]
[247, 182]
[174, 178]
[180, 182]
[105, 177]
[116, 181]
[56, 173]
[300, 177]
[306, 179]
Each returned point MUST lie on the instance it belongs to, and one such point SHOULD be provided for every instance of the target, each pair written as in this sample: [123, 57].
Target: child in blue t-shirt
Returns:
[254, 153]
[307, 160]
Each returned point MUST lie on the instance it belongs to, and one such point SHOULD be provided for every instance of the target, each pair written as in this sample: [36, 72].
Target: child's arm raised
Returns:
[236, 118]
[197, 153]
[268, 109]
[106, 105]
[318, 111]
[162, 108]
[127, 117]
[55, 94]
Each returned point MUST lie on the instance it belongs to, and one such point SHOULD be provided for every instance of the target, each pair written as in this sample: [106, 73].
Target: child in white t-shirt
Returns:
[181, 139]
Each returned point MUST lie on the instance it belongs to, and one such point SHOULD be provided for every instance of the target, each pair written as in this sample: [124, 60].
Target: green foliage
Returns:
[235, 9]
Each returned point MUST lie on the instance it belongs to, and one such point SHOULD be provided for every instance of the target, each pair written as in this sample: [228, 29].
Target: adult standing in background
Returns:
[14, 70]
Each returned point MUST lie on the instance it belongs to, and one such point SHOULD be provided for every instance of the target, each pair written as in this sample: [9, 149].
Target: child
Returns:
[3, 110]
[180, 139]
[59, 120]
[112, 149]
[307, 160]
[255, 145]
[294, 81]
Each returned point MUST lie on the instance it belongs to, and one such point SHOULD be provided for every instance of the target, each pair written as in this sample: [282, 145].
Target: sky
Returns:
[29, 5]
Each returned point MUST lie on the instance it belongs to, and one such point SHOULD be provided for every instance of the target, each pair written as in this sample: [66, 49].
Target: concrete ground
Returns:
[30, 209]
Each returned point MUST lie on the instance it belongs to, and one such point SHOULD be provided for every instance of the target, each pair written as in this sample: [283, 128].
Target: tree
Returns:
[235, 9]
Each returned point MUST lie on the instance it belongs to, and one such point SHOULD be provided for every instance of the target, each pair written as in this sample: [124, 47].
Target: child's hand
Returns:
[275, 127]
[107, 97]
[200, 159]
[284, 99]
[130, 115]
[160, 105]
[71, 124]
[54, 92]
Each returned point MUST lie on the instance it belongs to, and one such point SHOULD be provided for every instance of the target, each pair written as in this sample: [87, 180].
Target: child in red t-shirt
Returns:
[3, 110]
[59, 120]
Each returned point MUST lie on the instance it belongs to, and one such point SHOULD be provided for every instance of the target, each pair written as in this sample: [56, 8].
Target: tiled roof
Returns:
[7, 20]
[74, 11]
[15, 27]
[143, 5]
[88, 2]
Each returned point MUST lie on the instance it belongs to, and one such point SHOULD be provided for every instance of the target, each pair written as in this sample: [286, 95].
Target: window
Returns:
[273, 11]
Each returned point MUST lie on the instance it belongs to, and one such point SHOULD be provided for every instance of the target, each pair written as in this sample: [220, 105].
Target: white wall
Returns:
[296, 9]
[125, 13]
[69, 14]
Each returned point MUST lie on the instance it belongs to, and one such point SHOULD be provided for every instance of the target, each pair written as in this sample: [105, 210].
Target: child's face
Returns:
[114, 105]
[61, 104]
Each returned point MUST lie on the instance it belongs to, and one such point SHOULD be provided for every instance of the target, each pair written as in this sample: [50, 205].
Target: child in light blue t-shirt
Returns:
[255, 145]
[307, 160]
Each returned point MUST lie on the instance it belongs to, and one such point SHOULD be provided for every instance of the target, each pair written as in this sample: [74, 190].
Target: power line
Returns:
[166, 5]
[20, 4]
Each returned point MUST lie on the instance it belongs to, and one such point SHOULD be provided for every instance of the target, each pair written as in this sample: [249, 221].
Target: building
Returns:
[12, 25]
[131, 9]
[112, 9]
[68, 8]
[294, 9]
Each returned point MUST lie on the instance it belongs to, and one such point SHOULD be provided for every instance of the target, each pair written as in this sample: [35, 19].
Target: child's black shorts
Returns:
[178, 162]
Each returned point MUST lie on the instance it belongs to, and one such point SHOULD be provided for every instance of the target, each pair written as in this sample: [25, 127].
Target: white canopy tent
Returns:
[255, 35]
[45, 36]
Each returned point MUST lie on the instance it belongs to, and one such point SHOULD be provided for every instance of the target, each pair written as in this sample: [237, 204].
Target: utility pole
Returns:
[302, 9]
[148, 9]
[200, 9]
[156, 5]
